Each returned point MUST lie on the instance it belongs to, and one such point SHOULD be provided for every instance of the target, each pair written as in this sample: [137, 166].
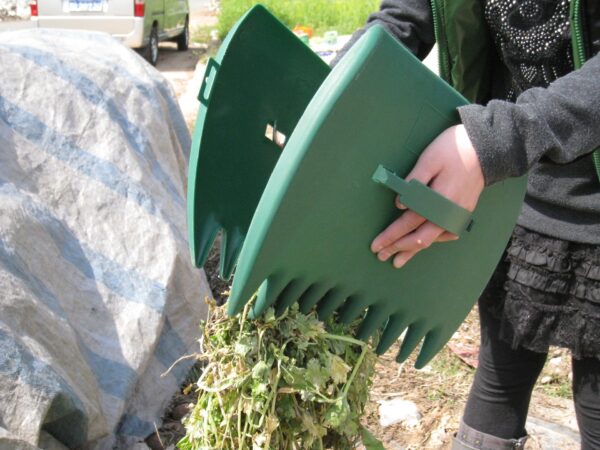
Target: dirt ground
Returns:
[439, 390]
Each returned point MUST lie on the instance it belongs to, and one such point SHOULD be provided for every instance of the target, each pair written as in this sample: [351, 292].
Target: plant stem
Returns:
[355, 371]
[345, 339]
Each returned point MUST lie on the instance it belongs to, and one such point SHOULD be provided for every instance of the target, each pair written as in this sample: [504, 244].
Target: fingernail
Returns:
[376, 248]
[383, 256]
[399, 264]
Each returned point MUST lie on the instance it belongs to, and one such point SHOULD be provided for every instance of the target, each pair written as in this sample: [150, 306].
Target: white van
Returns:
[140, 24]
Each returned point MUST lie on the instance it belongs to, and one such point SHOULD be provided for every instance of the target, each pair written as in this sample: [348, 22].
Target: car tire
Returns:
[183, 40]
[151, 50]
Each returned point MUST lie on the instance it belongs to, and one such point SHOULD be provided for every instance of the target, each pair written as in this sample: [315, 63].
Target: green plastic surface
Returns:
[310, 235]
[263, 75]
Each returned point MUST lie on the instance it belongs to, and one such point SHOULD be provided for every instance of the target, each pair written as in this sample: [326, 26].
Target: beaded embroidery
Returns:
[533, 40]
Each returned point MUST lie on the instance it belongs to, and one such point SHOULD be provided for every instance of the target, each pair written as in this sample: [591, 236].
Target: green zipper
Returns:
[443, 57]
[577, 34]
[579, 57]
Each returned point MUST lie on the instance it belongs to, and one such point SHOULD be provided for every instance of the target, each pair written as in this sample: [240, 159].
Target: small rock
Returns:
[172, 426]
[398, 411]
[439, 435]
[180, 411]
[555, 361]
[546, 379]
[153, 441]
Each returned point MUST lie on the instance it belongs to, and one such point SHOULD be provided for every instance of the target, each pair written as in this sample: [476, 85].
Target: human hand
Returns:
[450, 166]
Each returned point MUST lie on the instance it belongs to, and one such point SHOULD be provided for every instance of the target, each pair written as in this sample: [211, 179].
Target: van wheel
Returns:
[151, 50]
[183, 40]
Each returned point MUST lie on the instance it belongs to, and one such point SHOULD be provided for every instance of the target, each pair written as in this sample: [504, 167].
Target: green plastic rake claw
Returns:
[332, 189]
[252, 97]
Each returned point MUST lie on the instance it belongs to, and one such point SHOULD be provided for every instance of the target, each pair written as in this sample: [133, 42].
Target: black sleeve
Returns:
[560, 122]
[409, 21]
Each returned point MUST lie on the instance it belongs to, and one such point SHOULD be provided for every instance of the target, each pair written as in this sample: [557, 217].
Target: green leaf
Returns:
[314, 429]
[261, 371]
[244, 346]
[309, 326]
[285, 407]
[260, 389]
[369, 441]
[316, 374]
[337, 413]
[296, 377]
[285, 328]
[269, 316]
[338, 369]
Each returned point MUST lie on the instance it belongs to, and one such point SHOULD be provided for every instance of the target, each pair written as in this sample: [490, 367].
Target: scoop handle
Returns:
[426, 202]
[210, 75]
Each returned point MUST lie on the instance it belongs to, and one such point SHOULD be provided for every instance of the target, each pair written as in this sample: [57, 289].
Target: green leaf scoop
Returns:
[332, 191]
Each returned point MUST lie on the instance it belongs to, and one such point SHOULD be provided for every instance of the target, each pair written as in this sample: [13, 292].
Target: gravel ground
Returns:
[14, 10]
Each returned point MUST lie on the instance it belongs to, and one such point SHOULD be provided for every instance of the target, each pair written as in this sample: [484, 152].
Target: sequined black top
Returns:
[533, 40]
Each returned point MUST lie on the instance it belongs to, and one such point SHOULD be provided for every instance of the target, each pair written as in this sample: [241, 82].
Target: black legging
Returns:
[499, 398]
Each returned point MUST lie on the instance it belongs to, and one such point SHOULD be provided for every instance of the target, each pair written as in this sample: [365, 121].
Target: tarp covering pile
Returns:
[98, 296]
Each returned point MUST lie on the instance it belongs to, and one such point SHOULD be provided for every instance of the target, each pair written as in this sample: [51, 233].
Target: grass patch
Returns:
[345, 16]
[207, 48]
[555, 377]
[449, 365]
[557, 388]
[201, 34]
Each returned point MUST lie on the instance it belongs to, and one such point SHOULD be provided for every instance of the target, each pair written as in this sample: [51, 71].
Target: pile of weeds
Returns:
[283, 383]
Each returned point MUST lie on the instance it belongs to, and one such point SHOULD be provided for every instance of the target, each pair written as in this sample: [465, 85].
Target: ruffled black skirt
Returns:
[546, 291]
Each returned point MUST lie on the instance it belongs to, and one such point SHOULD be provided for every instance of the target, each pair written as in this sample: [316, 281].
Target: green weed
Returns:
[344, 16]
[558, 387]
[201, 34]
[449, 365]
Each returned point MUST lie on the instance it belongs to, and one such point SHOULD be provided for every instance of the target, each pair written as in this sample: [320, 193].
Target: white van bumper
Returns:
[129, 30]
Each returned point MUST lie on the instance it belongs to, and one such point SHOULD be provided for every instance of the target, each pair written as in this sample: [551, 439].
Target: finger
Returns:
[405, 224]
[446, 236]
[402, 258]
[416, 241]
[399, 204]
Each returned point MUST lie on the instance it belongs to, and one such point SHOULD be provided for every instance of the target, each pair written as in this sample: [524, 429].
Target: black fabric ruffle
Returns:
[547, 292]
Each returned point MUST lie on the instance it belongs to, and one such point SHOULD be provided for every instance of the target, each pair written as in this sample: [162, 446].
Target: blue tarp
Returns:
[99, 296]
